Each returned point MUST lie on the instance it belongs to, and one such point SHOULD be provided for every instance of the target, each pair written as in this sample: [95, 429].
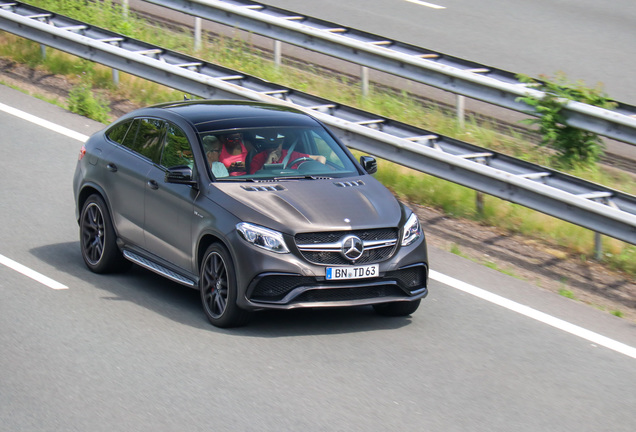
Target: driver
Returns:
[277, 154]
[233, 153]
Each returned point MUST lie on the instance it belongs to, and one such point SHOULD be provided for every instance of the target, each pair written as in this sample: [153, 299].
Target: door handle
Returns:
[153, 184]
[111, 167]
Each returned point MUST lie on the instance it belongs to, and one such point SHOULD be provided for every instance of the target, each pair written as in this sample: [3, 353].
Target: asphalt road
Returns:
[588, 40]
[134, 351]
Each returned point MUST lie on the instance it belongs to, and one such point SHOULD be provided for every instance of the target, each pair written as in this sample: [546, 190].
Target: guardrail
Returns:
[596, 207]
[432, 68]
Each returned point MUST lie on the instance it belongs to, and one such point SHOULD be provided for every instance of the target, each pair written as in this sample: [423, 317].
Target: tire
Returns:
[217, 285]
[98, 240]
[396, 309]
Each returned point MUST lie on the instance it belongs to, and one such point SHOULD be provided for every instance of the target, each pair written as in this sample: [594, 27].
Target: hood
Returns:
[293, 206]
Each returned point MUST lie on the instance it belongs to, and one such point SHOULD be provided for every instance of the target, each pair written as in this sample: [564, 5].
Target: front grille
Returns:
[335, 258]
[331, 254]
[334, 236]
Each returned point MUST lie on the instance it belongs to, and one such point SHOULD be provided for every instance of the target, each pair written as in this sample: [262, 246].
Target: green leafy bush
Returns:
[573, 146]
[82, 101]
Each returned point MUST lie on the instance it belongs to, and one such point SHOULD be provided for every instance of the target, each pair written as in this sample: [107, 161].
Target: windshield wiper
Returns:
[236, 179]
[303, 177]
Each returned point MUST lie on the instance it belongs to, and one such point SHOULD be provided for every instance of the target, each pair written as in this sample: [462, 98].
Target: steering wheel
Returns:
[297, 160]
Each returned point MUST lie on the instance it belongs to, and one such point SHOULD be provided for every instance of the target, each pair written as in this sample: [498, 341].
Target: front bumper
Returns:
[288, 291]
[267, 280]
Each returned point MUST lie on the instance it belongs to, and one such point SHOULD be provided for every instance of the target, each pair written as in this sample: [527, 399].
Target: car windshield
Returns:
[275, 152]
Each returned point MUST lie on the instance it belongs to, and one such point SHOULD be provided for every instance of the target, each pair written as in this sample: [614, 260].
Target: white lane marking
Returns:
[430, 5]
[447, 280]
[61, 130]
[44, 123]
[31, 273]
[535, 314]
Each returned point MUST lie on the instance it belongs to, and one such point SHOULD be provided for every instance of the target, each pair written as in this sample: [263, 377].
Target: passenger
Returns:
[277, 155]
[212, 147]
[233, 153]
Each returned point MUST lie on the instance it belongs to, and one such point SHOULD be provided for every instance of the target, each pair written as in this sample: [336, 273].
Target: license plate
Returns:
[353, 272]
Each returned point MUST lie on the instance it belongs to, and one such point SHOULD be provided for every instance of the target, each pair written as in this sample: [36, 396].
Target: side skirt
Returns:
[159, 269]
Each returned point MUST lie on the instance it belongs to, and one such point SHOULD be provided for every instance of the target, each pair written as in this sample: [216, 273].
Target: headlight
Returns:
[412, 230]
[262, 237]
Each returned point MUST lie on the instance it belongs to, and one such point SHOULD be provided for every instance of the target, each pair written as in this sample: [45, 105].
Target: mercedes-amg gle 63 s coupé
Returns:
[257, 206]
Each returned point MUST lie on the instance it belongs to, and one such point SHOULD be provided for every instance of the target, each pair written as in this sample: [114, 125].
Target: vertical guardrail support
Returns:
[461, 111]
[479, 196]
[364, 79]
[278, 54]
[598, 246]
[479, 202]
[197, 34]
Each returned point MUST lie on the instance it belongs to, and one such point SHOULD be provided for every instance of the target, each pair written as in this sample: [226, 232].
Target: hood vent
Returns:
[273, 188]
[349, 183]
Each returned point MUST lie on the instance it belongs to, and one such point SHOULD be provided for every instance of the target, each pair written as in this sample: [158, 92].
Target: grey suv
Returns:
[257, 206]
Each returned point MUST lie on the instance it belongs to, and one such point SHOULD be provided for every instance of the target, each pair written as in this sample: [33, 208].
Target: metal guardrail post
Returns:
[479, 202]
[479, 196]
[197, 34]
[461, 111]
[598, 246]
[364, 81]
[278, 54]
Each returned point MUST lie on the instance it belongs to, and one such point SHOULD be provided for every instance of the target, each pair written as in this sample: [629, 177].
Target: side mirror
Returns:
[369, 164]
[180, 175]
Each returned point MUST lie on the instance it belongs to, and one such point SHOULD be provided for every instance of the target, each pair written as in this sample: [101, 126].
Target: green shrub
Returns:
[574, 146]
[82, 101]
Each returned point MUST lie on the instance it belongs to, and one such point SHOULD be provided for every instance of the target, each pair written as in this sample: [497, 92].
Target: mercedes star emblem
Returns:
[352, 247]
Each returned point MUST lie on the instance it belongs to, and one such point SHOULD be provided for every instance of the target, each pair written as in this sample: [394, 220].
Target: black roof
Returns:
[209, 115]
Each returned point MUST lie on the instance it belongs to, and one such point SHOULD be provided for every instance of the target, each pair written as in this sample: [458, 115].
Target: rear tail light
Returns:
[82, 152]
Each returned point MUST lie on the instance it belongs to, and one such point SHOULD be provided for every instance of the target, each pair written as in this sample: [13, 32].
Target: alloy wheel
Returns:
[215, 285]
[93, 234]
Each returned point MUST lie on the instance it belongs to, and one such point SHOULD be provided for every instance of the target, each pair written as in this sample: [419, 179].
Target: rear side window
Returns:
[118, 132]
[131, 136]
[177, 149]
[150, 138]
[144, 136]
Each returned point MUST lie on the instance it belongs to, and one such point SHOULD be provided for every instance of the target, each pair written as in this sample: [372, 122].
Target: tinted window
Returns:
[177, 149]
[129, 140]
[320, 140]
[148, 138]
[118, 132]
[280, 151]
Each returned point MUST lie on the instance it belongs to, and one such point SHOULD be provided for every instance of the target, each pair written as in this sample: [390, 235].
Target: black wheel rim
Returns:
[214, 285]
[93, 234]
